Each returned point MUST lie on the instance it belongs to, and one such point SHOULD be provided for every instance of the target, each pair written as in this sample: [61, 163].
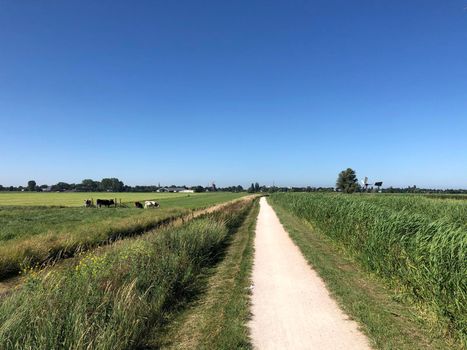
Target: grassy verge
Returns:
[112, 300]
[390, 323]
[218, 319]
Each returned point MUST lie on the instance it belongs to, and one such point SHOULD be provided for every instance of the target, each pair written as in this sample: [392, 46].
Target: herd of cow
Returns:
[109, 202]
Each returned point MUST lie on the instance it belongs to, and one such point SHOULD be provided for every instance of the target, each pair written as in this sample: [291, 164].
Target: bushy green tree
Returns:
[62, 186]
[112, 184]
[199, 189]
[89, 185]
[347, 181]
[31, 185]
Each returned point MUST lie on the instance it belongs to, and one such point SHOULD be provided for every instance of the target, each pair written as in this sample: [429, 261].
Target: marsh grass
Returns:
[426, 258]
[112, 300]
[389, 321]
[440, 207]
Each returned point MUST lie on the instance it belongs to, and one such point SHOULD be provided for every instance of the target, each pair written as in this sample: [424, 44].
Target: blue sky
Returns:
[188, 92]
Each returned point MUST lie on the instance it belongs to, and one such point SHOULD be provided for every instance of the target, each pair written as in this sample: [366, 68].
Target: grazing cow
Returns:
[151, 204]
[87, 203]
[138, 205]
[104, 202]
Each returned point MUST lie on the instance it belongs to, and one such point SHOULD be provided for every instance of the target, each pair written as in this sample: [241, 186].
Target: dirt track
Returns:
[291, 306]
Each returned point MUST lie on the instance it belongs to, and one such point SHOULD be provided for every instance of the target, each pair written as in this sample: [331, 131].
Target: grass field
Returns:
[418, 245]
[34, 234]
[25, 221]
[76, 199]
[114, 299]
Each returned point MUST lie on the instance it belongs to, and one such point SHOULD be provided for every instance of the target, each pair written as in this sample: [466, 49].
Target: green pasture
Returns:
[25, 221]
[76, 199]
[34, 233]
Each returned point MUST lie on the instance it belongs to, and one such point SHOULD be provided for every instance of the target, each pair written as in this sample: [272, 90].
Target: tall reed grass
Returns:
[452, 210]
[427, 256]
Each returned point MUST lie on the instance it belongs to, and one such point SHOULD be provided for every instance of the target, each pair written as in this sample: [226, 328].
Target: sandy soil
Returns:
[291, 306]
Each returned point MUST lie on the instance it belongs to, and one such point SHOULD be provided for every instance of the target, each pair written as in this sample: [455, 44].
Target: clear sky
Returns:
[187, 92]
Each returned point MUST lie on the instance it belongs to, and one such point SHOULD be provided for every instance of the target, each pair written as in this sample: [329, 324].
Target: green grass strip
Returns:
[218, 319]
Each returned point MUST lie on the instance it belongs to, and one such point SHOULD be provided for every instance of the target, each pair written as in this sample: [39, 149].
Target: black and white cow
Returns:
[151, 204]
[104, 202]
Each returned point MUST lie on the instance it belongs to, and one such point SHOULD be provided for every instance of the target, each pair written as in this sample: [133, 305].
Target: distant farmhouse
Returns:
[175, 190]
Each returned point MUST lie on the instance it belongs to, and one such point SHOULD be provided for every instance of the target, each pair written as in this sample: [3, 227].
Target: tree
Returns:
[31, 185]
[199, 189]
[347, 181]
[257, 187]
[112, 185]
[89, 185]
[272, 189]
[61, 186]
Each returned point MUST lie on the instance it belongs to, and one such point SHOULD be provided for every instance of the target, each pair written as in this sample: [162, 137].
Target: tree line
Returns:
[346, 182]
[109, 185]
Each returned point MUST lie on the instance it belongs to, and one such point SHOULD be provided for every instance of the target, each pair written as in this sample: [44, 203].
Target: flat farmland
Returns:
[76, 199]
[48, 225]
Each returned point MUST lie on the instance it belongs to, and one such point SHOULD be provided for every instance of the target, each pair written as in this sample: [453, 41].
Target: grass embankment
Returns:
[218, 319]
[423, 261]
[36, 235]
[115, 299]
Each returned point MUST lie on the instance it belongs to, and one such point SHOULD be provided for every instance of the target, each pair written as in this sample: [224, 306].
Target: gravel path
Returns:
[291, 306]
